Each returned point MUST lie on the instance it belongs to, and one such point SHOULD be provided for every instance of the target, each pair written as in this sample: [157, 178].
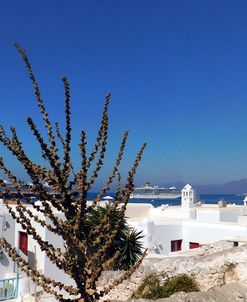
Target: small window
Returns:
[23, 245]
[194, 245]
[176, 245]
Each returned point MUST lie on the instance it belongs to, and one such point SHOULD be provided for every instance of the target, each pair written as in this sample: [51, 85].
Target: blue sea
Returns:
[205, 198]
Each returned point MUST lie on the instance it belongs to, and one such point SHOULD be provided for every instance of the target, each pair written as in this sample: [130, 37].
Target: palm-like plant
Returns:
[127, 241]
[130, 248]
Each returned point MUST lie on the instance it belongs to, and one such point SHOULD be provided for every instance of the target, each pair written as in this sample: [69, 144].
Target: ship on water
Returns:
[24, 191]
[155, 192]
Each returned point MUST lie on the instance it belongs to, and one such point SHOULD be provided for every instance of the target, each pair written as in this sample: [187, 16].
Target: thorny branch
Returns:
[66, 215]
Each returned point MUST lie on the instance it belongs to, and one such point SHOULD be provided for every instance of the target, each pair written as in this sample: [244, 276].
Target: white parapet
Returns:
[242, 220]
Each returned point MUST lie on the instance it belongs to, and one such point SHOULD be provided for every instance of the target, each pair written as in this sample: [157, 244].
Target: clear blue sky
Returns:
[177, 71]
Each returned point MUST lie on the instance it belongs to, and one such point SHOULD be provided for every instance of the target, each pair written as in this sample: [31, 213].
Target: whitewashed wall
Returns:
[159, 233]
[231, 213]
[7, 230]
[208, 215]
[138, 210]
[203, 233]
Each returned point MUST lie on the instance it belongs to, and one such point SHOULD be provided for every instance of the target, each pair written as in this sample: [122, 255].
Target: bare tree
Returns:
[85, 255]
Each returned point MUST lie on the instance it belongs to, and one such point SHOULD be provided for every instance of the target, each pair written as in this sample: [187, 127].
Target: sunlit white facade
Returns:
[167, 230]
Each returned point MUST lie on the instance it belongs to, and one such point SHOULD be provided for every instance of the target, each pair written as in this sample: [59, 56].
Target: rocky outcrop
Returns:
[234, 292]
[212, 267]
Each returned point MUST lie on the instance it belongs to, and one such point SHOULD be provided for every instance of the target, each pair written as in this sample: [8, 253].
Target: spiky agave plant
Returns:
[85, 254]
[127, 241]
[130, 248]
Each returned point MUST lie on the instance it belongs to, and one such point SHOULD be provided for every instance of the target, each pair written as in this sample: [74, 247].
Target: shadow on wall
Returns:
[31, 259]
[3, 259]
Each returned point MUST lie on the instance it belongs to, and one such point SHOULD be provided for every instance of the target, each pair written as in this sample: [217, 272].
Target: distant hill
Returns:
[231, 187]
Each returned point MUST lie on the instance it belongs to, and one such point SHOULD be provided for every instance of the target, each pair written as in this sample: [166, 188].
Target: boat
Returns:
[155, 192]
[8, 191]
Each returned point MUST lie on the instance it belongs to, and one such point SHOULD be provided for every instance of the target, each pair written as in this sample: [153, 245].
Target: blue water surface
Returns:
[205, 198]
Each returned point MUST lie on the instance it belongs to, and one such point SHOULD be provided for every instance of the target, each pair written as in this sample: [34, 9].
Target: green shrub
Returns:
[152, 287]
[180, 283]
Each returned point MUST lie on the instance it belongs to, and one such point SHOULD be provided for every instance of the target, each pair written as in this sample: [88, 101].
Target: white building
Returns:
[167, 230]
[13, 282]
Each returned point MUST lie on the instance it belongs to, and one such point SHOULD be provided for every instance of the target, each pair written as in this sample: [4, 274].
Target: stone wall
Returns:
[212, 266]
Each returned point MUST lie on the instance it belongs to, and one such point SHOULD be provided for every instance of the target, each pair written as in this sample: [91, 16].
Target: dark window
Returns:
[194, 245]
[176, 245]
[23, 242]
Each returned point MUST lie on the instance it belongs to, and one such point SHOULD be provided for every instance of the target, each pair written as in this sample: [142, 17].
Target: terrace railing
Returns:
[8, 288]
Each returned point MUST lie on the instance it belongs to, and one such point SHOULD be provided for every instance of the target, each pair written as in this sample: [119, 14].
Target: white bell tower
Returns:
[188, 200]
[189, 197]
